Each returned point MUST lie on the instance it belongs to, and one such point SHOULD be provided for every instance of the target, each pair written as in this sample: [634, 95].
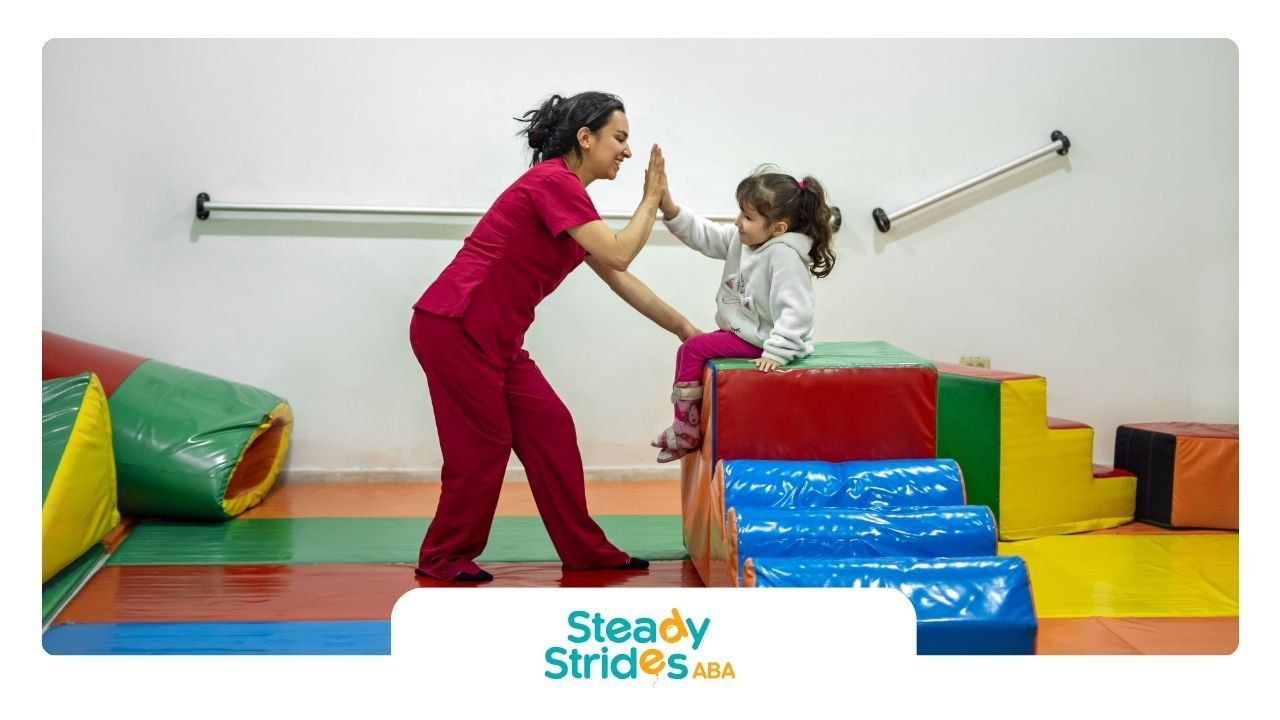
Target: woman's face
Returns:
[607, 147]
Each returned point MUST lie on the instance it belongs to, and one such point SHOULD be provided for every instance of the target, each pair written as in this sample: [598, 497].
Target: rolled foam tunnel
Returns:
[929, 532]
[187, 445]
[873, 484]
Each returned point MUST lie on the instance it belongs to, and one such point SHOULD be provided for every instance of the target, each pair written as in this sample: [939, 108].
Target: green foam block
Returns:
[969, 433]
[370, 540]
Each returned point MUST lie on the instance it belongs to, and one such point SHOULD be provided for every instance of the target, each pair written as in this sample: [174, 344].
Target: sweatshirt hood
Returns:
[799, 242]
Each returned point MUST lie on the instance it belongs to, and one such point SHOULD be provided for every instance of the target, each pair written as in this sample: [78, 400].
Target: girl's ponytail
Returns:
[814, 218]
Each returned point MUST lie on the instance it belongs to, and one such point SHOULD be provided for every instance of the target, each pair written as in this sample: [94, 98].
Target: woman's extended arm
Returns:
[617, 251]
[639, 296]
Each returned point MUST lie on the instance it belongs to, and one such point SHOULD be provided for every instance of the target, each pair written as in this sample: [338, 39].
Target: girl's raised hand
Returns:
[668, 206]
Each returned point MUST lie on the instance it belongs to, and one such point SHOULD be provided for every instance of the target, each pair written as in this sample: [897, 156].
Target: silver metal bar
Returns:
[1061, 144]
[204, 206]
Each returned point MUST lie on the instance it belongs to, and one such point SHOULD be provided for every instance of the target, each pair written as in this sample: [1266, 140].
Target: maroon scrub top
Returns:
[517, 254]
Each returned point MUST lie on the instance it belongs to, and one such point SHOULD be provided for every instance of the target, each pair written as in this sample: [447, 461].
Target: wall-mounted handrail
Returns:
[205, 206]
[1061, 144]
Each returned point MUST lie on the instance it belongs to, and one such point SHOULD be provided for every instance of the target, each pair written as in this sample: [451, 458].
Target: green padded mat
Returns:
[370, 540]
[61, 586]
[830, 355]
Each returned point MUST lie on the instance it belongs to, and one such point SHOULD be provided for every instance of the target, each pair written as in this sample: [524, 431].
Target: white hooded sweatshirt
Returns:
[766, 292]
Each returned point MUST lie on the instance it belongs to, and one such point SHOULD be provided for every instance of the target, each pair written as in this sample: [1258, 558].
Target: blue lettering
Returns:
[698, 632]
[646, 631]
[552, 652]
[630, 660]
[618, 630]
[679, 670]
[574, 617]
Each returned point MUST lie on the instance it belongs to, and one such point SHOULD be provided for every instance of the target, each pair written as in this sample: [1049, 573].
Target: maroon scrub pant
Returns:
[483, 412]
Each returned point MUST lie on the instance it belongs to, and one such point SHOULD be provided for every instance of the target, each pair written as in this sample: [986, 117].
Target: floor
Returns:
[316, 568]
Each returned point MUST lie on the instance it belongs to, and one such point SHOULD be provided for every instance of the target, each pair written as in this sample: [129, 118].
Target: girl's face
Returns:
[604, 150]
[754, 228]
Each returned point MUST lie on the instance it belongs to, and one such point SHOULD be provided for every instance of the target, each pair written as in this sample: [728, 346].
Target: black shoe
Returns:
[481, 576]
[634, 563]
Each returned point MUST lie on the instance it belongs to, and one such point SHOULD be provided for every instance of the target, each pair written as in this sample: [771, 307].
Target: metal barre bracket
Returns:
[881, 218]
[1066, 142]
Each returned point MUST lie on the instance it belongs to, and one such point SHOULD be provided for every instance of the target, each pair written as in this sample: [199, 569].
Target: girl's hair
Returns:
[553, 127]
[802, 204]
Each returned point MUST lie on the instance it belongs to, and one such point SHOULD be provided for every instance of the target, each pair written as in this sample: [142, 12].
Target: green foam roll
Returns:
[191, 445]
[187, 445]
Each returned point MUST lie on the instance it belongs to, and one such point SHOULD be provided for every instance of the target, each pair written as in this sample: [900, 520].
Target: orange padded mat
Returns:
[1138, 636]
[369, 500]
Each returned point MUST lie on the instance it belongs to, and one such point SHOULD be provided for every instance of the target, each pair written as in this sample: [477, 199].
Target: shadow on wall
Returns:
[929, 216]
[303, 227]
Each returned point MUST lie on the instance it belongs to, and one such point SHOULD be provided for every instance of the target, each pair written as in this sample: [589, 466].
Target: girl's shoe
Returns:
[684, 435]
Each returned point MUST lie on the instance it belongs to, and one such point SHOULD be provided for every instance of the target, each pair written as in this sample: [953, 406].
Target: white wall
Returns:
[1113, 272]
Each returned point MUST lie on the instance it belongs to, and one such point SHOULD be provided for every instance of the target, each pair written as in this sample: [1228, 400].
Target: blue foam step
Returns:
[808, 484]
[964, 606]
[948, 531]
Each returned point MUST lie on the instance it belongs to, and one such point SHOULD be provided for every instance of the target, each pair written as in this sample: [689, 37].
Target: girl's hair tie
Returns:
[800, 183]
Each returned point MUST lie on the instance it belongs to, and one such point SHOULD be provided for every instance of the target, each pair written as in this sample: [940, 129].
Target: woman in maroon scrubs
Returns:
[468, 328]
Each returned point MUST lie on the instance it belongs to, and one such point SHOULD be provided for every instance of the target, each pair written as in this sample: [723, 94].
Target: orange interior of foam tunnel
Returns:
[258, 460]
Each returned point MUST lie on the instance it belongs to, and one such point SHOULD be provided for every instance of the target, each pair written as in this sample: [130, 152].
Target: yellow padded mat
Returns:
[1186, 575]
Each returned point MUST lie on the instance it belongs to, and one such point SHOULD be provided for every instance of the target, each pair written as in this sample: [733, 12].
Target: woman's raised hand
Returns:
[655, 176]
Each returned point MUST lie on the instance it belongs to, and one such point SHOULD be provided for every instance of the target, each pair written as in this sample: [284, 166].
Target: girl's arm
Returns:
[791, 299]
[707, 237]
[639, 296]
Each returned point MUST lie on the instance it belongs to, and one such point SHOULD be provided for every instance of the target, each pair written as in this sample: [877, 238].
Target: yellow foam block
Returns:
[1183, 575]
[80, 508]
[1047, 485]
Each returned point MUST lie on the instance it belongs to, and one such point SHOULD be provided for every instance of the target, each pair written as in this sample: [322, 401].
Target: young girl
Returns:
[764, 307]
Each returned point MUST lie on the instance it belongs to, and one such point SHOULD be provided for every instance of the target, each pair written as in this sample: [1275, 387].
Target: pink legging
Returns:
[695, 351]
